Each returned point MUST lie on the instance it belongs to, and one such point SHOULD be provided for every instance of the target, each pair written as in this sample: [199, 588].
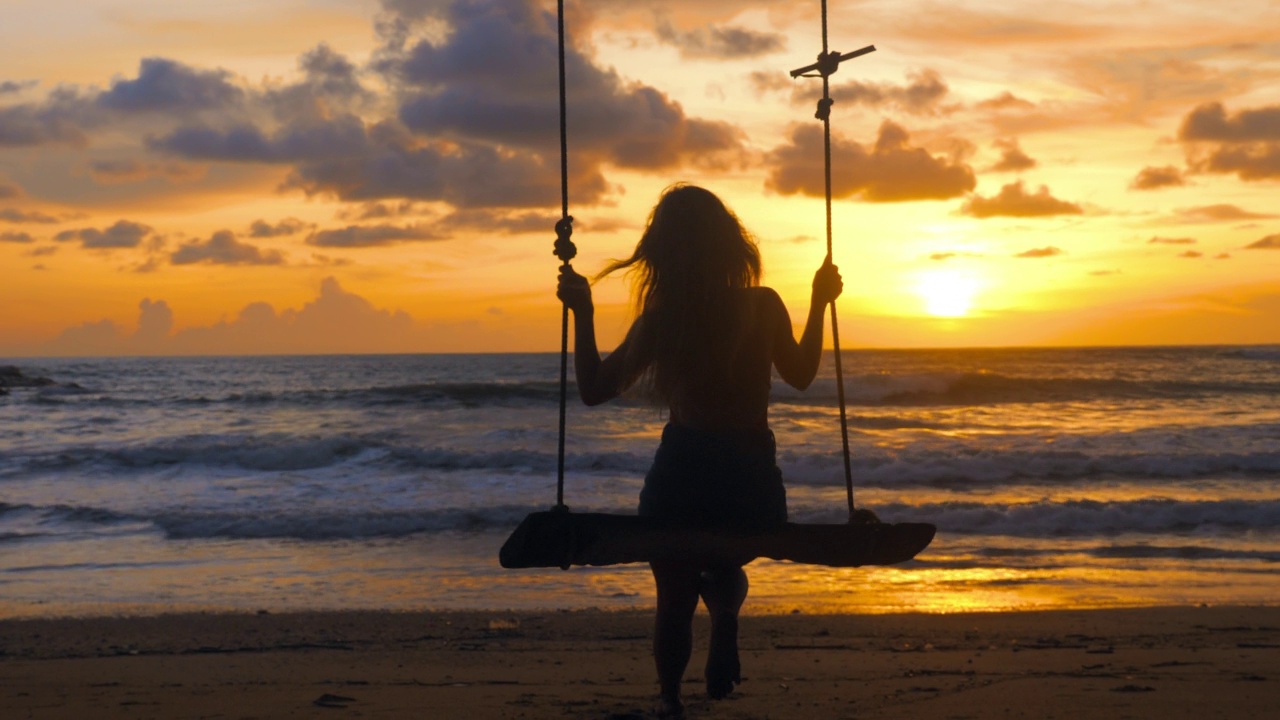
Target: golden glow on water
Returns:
[412, 574]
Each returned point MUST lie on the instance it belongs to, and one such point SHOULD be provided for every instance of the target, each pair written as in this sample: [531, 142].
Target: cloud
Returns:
[1218, 213]
[770, 81]
[1151, 178]
[1171, 241]
[16, 86]
[155, 321]
[940, 256]
[1210, 122]
[380, 210]
[331, 85]
[60, 119]
[8, 191]
[723, 42]
[371, 236]
[493, 81]
[122, 170]
[336, 321]
[463, 174]
[223, 249]
[1246, 144]
[345, 158]
[458, 106]
[287, 226]
[16, 237]
[891, 171]
[1137, 83]
[1005, 101]
[14, 215]
[123, 234]
[1257, 162]
[1044, 252]
[922, 95]
[1014, 201]
[508, 222]
[1270, 242]
[1012, 158]
[1191, 254]
[338, 137]
[169, 86]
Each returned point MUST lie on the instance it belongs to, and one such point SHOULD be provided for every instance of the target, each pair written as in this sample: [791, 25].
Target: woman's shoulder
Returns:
[764, 297]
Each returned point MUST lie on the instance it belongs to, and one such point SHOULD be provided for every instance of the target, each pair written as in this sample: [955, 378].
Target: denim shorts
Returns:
[721, 479]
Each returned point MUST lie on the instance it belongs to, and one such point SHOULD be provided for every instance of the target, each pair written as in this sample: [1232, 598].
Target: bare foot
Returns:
[723, 668]
[669, 709]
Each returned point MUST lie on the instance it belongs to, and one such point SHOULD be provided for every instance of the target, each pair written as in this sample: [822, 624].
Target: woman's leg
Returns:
[723, 590]
[677, 584]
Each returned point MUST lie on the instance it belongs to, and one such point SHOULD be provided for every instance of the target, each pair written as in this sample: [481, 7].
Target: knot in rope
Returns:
[824, 109]
[828, 63]
[564, 248]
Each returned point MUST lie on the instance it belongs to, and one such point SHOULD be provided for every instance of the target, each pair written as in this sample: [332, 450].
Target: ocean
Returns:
[1094, 477]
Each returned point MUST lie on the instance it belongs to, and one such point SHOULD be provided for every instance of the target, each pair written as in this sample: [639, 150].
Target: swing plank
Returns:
[558, 538]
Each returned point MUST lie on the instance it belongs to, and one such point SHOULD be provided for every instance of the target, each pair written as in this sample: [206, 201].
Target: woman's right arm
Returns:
[797, 363]
[599, 380]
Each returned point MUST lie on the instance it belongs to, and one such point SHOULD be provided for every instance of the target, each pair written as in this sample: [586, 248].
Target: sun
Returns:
[946, 293]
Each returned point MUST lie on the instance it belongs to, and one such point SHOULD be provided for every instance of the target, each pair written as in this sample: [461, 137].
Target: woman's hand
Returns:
[574, 291]
[827, 285]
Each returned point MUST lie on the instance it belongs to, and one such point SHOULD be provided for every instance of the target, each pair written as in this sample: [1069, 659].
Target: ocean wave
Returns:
[1265, 354]
[972, 468]
[432, 395]
[983, 388]
[933, 464]
[258, 452]
[1181, 552]
[1042, 520]
[265, 523]
[1082, 518]
[923, 389]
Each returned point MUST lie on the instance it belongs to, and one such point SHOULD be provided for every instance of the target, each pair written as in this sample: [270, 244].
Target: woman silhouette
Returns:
[703, 343]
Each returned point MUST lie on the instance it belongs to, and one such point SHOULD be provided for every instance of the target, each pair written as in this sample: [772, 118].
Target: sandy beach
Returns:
[1217, 662]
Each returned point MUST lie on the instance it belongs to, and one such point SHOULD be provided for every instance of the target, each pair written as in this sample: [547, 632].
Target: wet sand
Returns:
[1219, 662]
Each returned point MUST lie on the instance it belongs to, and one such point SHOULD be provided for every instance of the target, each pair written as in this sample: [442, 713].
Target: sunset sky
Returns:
[227, 176]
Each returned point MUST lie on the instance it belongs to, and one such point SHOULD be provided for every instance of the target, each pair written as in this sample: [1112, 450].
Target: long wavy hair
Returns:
[693, 255]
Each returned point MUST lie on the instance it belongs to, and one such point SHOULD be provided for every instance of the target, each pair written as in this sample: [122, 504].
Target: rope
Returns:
[828, 62]
[565, 250]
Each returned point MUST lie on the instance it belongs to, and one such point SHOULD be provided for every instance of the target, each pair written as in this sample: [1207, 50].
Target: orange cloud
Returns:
[335, 322]
[891, 171]
[1012, 158]
[1013, 200]
[1044, 252]
[223, 248]
[1151, 178]
[1246, 143]
[1270, 242]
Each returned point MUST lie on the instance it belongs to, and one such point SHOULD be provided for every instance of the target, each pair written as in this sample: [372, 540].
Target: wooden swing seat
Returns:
[559, 538]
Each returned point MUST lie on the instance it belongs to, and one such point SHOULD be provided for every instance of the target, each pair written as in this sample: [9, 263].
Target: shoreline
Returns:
[1168, 662]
